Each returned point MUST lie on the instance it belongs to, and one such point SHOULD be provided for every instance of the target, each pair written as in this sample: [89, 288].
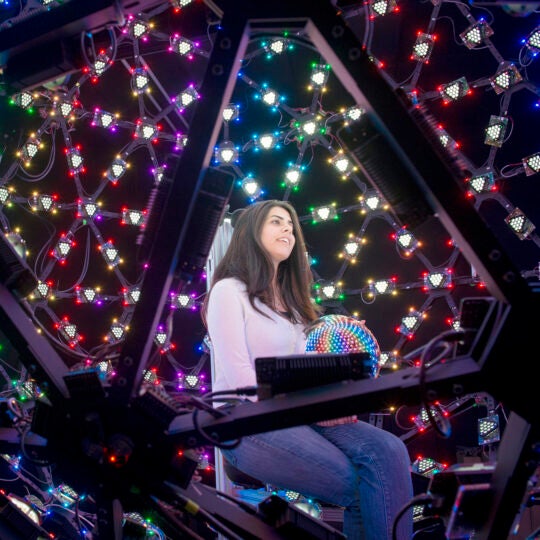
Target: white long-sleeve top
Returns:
[239, 334]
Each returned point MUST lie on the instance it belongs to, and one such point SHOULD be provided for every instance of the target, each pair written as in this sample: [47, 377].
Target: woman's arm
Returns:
[226, 328]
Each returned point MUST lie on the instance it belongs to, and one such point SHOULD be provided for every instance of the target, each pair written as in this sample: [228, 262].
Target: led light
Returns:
[482, 183]
[43, 202]
[137, 28]
[276, 46]
[445, 139]
[27, 508]
[436, 410]
[23, 99]
[389, 360]
[454, 90]
[324, 213]
[66, 495]
[146, 129]
[489, 430]
[181, 3]
[496, 130]
[63, 247]
[292, 495]
[30, 149]
[18, 243]
[437, 280]
[182, 46]
[161, 338]
[476, 34]
[75, 160]
[267, 141]
[423, 47]
[28, 390]
[319, 75]
[309, 127]
[406, 241]
[131, 295]
[150, 377]
[427, 466]
[371, 201]
[65, 107]
[531, 164]
[351, 248]
[116, 170]
[187, 97]
[381, 286]
[251, 187]
[343, 164]
[140, 81]
[225, 153]
[100, 65]
[190, 381]
[231, 112]
[5, 194]
[353, 114]
[180, 141]
[533, 41]
[410, 323]
[42, 291]
[507, 76]
[110, 254]
[293, 175]
[69, 332]
[87, 208]
[270, 97]
[116, 332]
[183, 301]
[380, 8]
[104, 119]
[520, 224]
[87, 295]
[328, 291]
[418, 509]
[133, 217]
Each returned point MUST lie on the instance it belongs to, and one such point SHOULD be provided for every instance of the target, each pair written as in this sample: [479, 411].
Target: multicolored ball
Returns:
[342, 334]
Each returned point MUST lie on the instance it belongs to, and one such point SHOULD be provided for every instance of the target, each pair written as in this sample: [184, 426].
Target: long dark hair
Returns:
[248, 261]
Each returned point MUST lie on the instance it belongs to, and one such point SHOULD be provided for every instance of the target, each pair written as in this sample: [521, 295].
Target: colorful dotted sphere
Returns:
[342, 334]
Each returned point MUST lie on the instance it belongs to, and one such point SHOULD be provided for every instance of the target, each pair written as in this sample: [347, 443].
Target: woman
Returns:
[260, 305]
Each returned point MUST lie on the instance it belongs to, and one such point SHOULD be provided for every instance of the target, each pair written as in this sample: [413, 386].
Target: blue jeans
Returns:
[357, 466]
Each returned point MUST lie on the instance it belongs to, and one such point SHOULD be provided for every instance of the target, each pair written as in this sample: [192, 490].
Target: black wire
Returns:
[208, 438]
[441, 425]
[246, 390]
[443, 339]
[202, 404]
[422, 499]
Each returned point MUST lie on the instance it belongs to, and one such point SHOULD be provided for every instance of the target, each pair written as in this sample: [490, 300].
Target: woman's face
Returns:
[277, 234]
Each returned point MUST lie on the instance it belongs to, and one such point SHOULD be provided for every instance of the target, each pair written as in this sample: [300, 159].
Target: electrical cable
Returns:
[441, 424]
[201, 404]
[217, 414]
[421, 499]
